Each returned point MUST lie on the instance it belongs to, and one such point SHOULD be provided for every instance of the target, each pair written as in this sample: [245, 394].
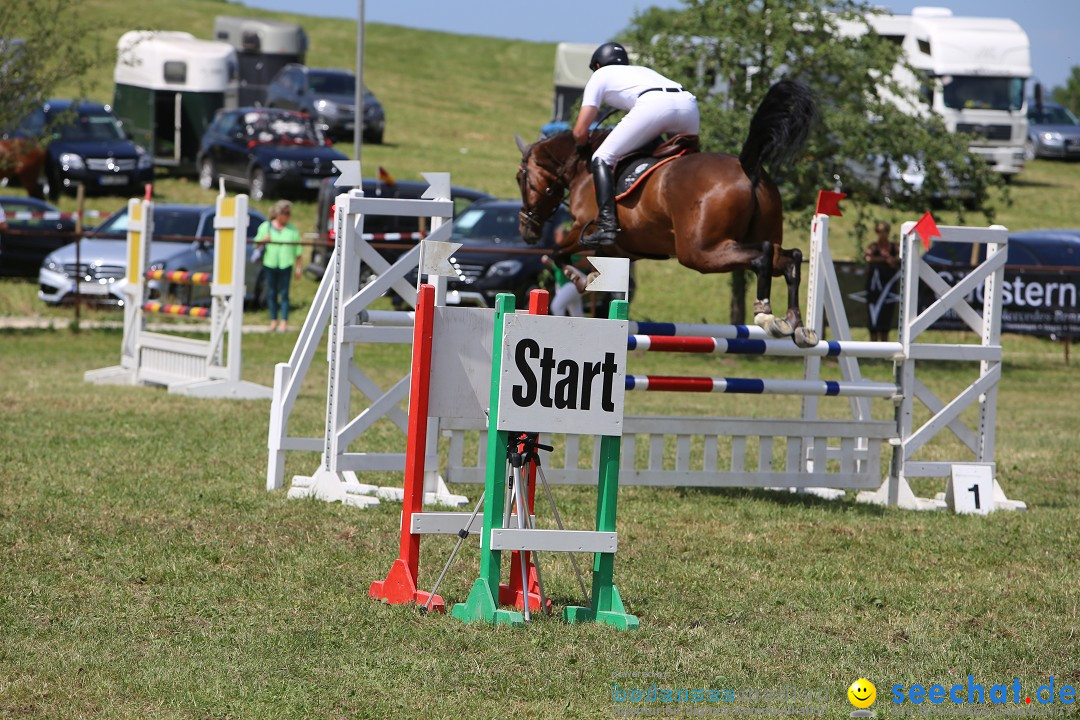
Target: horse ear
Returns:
[522, 145]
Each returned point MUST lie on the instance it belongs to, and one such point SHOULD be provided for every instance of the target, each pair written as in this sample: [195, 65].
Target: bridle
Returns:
[531, 218]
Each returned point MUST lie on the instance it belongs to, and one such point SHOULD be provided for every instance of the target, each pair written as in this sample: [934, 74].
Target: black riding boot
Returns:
[607, 222]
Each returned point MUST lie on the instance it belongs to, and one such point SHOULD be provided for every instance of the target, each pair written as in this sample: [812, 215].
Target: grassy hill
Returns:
[452, 102]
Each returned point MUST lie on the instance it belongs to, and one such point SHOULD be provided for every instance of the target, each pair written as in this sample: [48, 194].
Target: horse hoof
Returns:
[764, 320]
[805, 338]
[783, 327]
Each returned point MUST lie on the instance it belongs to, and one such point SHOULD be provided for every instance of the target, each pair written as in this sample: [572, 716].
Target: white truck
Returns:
[969, 70]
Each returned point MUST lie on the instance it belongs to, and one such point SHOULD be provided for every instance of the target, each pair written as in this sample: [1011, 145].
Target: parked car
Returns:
[329, 96]
[87, 144]
[266, 152]
[183, 236]
[462, 198]
[29, 239]
[1047, 248]
[487, 263]
[1053, 132]
[886, 181]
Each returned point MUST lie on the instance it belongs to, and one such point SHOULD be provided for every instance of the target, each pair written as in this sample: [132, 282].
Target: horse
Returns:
[23, 160]
[714, 212]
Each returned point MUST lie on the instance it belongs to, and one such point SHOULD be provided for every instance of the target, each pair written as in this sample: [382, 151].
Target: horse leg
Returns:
[762, 266]
[791, 267]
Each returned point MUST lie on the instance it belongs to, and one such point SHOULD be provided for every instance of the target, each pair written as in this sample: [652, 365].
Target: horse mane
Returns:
[779, 128]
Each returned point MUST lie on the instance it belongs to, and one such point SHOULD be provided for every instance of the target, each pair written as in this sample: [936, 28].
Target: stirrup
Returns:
[603, 236]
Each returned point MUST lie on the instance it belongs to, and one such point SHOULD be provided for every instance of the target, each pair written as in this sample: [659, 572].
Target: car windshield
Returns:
[487, 226]
[92, 126]
[1052, 115]
[287, 128]
[176, 223]
[332, 83]
[983, 93]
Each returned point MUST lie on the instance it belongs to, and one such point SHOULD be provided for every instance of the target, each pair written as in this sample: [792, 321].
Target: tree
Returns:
[729, 54]
[43, 44]
[1069, 96]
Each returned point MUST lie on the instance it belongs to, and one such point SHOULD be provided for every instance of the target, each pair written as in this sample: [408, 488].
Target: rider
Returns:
[656, 105]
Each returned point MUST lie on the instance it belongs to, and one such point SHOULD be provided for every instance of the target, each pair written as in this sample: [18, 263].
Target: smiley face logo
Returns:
[862, 693]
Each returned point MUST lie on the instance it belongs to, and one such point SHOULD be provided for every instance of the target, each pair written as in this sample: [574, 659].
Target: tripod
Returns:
[522, 449]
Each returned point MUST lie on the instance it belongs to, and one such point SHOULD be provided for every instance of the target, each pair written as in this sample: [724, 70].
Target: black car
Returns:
[267, 152]
[494, 258]
[329, 96]
[400, 229]
[34, 229]
[87, 144]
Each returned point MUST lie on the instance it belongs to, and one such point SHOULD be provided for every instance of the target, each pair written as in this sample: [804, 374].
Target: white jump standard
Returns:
[200, 368]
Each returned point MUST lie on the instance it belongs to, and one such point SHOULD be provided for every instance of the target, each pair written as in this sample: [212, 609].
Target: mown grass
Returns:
[146, 572]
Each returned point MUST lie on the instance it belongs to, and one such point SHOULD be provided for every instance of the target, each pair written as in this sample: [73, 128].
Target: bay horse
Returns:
[22, 160]
[714, 212]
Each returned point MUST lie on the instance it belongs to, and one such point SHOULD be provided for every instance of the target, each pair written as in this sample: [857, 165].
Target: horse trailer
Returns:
[262, 47]
[169, 85]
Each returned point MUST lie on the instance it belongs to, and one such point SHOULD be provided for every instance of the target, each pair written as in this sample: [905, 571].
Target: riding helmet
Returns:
[609, 54]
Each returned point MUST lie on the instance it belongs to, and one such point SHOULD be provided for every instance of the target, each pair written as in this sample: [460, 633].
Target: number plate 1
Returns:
[971, 489]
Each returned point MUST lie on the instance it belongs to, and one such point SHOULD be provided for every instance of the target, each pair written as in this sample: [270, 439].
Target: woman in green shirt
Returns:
[280, 241]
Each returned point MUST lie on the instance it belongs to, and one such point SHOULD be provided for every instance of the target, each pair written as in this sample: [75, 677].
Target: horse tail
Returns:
[779, 128]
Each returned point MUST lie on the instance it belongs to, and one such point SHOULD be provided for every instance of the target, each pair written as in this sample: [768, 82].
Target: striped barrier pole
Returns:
[180, 276]
[170, 309]
[757, 386]
[667, 329]
[780, 348]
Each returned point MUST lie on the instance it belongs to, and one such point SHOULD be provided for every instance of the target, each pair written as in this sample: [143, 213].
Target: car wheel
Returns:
[206, 174]
[257, 184]
[258, 293]
[52, 186]
[179, 293]
[373, 137]
[1029, 150]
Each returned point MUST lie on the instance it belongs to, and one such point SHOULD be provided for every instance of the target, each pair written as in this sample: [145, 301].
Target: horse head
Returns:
[543, 177]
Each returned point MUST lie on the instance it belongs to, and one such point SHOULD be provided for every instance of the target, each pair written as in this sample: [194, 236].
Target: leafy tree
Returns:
[43, 43]
[1069, 96]
[729, 54]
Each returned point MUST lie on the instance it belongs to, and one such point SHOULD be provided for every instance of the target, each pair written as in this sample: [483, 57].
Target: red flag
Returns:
[385, 177]
[927, 228]
[828, 202]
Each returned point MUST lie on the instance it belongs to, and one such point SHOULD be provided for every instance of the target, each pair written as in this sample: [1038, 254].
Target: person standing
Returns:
[280, 243]
[656, 105]
[882, 264]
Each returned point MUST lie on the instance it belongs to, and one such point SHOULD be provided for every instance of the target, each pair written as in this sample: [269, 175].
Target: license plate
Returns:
[114, 180]
[87, 288]
[312, 183]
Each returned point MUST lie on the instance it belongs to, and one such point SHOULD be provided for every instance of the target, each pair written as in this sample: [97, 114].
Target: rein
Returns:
[555, 189]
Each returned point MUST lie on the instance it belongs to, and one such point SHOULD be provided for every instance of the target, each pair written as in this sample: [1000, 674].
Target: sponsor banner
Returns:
[1044, 302]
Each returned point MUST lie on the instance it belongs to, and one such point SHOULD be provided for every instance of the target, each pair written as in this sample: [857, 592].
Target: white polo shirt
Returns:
[620, 85]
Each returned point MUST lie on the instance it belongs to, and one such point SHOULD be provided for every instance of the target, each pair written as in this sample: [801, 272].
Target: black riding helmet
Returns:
[609, 54]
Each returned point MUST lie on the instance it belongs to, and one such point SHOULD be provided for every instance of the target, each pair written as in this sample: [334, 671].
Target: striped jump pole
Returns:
[758, 386]
[780, 348]
[666, 329]
[159, 308]
[180, 276]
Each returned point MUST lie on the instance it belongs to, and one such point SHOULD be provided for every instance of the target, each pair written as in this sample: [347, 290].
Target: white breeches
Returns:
[654, 113]
[567, 301]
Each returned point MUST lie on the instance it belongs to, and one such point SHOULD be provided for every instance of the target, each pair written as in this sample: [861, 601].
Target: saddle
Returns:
[632, 170]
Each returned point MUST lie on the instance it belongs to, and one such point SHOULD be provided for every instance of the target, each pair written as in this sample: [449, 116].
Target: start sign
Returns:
[562, 375]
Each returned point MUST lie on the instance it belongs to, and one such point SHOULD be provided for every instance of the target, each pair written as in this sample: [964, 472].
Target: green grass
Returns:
[145, 571]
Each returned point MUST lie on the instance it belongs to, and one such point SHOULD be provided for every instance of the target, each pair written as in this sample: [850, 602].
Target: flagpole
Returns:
[358, 121]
